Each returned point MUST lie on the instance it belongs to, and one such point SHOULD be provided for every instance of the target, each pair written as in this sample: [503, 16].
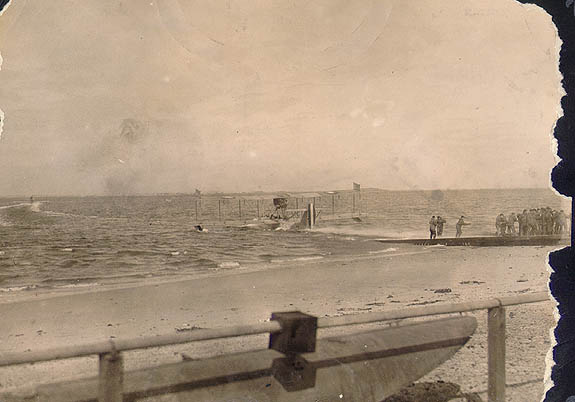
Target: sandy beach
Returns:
[379, 282]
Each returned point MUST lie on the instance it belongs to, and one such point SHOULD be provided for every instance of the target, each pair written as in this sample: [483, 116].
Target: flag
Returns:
[356, 186]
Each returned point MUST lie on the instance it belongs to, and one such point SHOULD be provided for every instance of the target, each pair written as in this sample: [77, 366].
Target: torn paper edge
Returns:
[549, 362]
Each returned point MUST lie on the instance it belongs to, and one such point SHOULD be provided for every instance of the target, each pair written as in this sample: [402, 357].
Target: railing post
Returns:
[496, 354]
[111, 377]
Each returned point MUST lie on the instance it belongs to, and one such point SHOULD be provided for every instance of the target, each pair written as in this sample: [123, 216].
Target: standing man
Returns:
[440, 223]
[561, 221]
[531, 222]
[433, 227]
[459, 225]
[522, 219]
[500, 224]
[548, 219]
[511, 219]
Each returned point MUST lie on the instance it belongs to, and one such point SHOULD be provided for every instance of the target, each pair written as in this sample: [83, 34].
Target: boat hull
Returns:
[365, 366]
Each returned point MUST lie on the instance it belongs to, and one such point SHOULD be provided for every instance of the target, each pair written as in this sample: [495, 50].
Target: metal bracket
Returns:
[298, 335]
[294, 373]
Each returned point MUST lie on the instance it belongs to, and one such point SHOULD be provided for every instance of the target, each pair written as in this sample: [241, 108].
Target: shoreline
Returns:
[31, 293]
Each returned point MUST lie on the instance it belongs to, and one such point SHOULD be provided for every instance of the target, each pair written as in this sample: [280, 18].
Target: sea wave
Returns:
[387, 250]
[370, 231]
[229, 264]
[294, 259]
[78, 285]
[35, 287]
[18, 288]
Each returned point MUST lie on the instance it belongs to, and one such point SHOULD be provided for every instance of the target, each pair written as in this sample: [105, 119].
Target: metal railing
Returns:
[111, 361]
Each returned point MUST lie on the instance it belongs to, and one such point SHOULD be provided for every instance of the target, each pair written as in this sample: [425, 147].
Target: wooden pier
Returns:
[485, 241]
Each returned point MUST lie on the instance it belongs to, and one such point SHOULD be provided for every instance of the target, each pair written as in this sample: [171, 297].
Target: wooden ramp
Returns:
[366, 366]
[485, 241]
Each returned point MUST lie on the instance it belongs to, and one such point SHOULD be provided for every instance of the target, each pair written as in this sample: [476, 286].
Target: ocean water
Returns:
[89, 242]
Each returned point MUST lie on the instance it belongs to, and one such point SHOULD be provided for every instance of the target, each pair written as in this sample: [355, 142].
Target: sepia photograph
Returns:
[278, 200]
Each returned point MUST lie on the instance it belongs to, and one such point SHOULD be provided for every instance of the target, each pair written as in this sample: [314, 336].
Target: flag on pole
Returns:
[356, 186]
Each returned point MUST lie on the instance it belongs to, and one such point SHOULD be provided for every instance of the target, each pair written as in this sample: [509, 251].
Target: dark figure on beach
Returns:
[500, 224]
[433, 227]
[459, 225]
[31, 200]
[199, 228]
[440, 223]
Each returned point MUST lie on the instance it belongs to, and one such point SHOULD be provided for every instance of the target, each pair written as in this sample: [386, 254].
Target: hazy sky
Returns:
[168, 96]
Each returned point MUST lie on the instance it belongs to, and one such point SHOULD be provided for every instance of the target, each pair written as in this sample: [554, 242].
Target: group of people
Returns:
[532, 222]
[436, 226]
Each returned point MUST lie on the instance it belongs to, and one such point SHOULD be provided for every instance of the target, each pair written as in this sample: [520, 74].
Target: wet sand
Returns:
[324, 288]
